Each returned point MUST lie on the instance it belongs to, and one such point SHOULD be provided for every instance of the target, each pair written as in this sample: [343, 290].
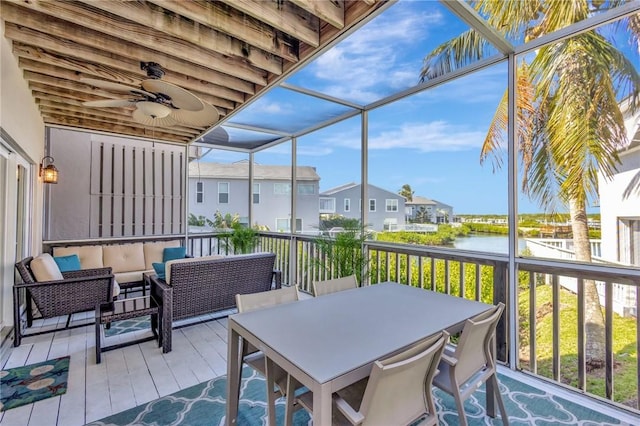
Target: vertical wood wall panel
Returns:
[136, 191]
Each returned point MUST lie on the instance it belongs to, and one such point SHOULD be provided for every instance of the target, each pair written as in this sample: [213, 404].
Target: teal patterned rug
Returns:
[128, 326]
[31, 383]
[205, 404]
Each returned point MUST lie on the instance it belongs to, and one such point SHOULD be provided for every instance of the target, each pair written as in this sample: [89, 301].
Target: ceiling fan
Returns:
[156, 102]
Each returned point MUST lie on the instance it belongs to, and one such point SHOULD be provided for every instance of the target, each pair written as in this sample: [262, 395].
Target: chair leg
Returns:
[501, 406]
[455, 387]
[68, 321]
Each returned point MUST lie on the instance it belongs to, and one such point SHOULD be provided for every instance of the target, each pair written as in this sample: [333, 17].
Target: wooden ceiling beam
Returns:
[26, 39]
[15, 13]
[329, 11]
[120, 114]
[35, 77]
[225, 19]
[84, 123]
[283, 16]
[64, 93]
[47, 110]
[178, 30]
[124, 78]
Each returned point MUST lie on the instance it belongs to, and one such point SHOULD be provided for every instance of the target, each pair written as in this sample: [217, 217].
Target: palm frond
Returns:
[467, 48]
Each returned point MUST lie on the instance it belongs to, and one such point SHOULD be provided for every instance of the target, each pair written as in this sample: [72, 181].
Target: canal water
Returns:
[487, 243]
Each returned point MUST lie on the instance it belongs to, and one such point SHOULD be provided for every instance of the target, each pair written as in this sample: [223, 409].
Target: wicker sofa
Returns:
[78, 291]
[129, 262]
[198, 286]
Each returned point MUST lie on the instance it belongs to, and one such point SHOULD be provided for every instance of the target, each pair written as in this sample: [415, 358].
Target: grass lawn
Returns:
[625, 385]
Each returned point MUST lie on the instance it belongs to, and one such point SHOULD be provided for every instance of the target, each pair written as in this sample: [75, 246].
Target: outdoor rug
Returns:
[31, 383]
[128, 326]
[205, 404]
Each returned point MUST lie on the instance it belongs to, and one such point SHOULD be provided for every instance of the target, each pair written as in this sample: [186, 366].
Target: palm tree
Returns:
[406, 192]
[568, 115]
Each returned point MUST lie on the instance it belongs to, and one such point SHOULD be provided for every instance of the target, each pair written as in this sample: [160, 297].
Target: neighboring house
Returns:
[224, 187]
[385, 208]
[620, 207]
[425, 210]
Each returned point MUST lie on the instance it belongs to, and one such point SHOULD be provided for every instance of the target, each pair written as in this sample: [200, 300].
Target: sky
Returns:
[430, 140]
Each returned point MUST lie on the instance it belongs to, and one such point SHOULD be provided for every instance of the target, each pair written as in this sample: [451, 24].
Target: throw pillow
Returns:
[173, 253]
[68, 263]
[159, 268]
[44, 268]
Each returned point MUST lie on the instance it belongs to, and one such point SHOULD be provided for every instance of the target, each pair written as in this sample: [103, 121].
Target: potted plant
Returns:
[243, 239]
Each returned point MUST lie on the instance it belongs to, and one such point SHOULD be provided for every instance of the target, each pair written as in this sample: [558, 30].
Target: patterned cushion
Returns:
[44, 268]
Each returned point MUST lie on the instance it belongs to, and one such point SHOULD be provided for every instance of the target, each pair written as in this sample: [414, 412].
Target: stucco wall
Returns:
[20, 122]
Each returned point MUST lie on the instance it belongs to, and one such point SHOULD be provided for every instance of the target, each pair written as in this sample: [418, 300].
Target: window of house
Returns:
[372, 205]
[199, 192]
[284, 225]
[306, 189]
[629, 241]
[327, 205]
[347, 204]
[391, 205]
[223, 193]
[282, 188]
[256, 193]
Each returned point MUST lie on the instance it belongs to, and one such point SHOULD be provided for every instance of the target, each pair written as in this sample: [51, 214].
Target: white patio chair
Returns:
[276, 377]
[320, 288]
[398, 391]
[465, 367]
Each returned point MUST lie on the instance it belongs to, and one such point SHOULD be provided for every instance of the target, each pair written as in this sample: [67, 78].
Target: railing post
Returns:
[500, 286]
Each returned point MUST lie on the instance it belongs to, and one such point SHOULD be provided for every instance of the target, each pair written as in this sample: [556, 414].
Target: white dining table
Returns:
[330, 342]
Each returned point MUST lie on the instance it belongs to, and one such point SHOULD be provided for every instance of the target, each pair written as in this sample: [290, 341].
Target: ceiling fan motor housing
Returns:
[153, 69]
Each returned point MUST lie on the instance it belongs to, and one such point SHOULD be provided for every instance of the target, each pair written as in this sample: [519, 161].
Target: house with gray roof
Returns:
[385, 208]
[426, 210]
[224, 187]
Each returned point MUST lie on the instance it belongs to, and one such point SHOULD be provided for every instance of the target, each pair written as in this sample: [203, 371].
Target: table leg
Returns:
[322, 404]
[271, 397]
[233, 376]
[98, 348]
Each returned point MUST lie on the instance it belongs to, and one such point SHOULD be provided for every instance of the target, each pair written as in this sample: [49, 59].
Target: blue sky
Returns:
[430, 141]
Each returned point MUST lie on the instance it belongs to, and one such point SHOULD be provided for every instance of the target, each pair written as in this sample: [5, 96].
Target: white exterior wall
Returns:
[21, 122]
[614, 206]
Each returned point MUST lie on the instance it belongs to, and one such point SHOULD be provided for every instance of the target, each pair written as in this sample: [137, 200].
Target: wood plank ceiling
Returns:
[225, 52]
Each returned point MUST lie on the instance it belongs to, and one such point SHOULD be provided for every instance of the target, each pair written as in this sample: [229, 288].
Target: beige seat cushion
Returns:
[153, 252]
[90, 256]
[167, 266]
[44, 268]
[124, 257]
[128, 277]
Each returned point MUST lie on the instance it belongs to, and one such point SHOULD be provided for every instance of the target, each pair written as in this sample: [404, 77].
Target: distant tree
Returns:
[406, 192]
[225, 221]
[196, 221]
[422, 215]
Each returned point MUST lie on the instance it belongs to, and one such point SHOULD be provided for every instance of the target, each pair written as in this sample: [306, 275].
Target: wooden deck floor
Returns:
[126, 378]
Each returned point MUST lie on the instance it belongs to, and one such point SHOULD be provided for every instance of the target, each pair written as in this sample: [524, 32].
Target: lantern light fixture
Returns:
[48, 173]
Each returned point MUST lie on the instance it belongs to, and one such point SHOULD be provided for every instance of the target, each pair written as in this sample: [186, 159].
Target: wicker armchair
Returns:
[79, 291]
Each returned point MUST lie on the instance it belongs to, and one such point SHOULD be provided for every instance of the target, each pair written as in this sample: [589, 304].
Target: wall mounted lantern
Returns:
[48, 173]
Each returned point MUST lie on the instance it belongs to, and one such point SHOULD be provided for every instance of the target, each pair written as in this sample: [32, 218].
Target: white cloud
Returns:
[423, 137]
[370, 60]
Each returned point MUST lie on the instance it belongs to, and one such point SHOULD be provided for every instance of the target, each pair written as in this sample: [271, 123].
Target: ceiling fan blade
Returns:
[110, 103]
[115, 87]
[180, 98]
[149, 120]
[206, 117]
